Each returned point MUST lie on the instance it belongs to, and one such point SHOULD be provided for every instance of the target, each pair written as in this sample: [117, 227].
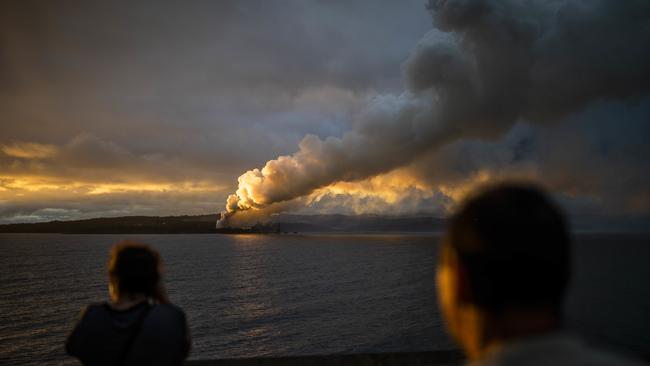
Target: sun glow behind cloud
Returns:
[33, 198]
[17, 185]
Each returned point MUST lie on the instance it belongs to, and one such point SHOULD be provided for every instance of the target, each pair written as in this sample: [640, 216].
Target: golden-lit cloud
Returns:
[34, 198]
[20, 185]
[29, 150]
[89, 177]
[391, 187]
[383, 193]
[403, 191]
[461, 190]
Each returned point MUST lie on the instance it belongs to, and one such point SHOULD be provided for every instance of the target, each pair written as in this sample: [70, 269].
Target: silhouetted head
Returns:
[505, 255]
[133, 268]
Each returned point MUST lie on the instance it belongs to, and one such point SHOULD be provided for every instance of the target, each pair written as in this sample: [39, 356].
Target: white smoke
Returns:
[484, 67]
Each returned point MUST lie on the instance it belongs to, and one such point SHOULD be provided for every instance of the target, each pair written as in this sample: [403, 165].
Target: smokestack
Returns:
[484, 66]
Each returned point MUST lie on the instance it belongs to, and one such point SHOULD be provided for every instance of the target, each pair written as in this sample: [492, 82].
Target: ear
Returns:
[113, 291]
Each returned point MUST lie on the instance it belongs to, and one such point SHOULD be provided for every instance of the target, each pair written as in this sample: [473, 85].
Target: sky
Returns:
[118, 108]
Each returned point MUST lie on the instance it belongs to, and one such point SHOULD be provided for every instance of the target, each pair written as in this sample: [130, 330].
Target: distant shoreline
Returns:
[206, 224]
[293, 224]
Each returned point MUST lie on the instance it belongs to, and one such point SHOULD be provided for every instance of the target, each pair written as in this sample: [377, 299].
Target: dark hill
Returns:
[121, 225]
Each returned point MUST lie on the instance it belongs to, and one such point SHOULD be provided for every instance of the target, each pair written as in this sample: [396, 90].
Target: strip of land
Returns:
[203, 224]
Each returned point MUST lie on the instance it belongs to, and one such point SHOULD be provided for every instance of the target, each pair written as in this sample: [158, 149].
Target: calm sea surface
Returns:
[262, 295]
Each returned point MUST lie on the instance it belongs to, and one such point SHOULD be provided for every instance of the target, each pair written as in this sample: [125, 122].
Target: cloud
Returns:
[590, 164]
[29, 150]
[89, 176]
[32, 200]
[162, 96]
[487, 66]
[188, 92]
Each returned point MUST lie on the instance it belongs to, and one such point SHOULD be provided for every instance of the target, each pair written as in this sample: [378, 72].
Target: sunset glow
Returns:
[201, 114]
[278, 182]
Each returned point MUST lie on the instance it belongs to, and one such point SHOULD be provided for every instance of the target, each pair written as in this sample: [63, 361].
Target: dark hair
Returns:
[514, 244]
[134, 267]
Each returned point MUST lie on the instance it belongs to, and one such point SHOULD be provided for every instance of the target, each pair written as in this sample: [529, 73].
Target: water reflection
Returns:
[254, 305]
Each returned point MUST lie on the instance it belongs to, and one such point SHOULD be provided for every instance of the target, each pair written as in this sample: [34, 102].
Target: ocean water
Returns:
[278, 295]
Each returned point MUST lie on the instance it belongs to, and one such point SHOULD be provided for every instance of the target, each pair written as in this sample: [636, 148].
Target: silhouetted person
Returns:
[138, 326]
[503, 272]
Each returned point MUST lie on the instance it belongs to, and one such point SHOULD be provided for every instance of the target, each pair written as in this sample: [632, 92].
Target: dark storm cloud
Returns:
[586, 157]
[538, 61]
[178, 72]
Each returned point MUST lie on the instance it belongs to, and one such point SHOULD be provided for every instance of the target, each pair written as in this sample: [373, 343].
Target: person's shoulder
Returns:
[600, 357]
[92, 309]
[166, 319]
[555, 349]
[588, 354]
[97, 306]
[169, 308]
[168, 311]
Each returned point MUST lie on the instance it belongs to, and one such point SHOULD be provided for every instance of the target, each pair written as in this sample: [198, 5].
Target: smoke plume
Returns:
[485, 66]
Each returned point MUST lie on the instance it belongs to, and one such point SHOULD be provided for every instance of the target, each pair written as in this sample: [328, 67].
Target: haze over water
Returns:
[279, 295]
